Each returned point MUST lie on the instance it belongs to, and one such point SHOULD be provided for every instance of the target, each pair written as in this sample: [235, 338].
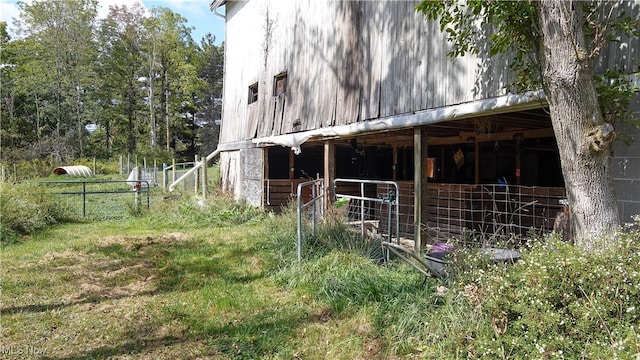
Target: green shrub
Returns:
[220, 210]
[43, 167]
[25, 209]
[559, 302]
[555, 302]
[102, 167]
[29, 169]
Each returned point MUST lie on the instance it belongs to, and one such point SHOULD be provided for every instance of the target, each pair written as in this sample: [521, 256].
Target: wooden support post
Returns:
[204, 177]
[420, 159]
[196, 180]
[292, 172]
[329, 172]
[395, 163]
[265, 177]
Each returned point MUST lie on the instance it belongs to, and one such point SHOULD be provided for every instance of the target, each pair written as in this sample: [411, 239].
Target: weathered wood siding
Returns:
[346, 61]
[351, 61]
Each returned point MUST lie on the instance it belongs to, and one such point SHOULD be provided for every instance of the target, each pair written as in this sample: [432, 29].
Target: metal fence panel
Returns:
[310, 208]
[376, 216]
[100, 199]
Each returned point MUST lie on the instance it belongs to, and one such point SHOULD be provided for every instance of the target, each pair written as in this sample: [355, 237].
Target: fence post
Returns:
[204, 177]
[299, 221]
[196, 177]
[138, 187]
[94, 166]
[173, 170]
[84, 199]
[164, 175]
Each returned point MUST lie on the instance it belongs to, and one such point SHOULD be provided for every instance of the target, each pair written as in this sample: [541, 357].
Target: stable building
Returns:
[365, 90]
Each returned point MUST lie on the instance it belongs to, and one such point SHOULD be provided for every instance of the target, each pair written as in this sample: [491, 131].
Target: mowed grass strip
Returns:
[137, 289]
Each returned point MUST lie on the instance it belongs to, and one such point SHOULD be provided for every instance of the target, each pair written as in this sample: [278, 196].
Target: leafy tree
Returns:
[131, 74]
[121, 67]
[167, 44]
[22, 97]
[60, 35]
[212, 71]
[554, 44]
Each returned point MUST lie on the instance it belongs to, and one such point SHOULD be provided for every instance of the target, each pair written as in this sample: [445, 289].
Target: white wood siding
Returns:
[348, 61]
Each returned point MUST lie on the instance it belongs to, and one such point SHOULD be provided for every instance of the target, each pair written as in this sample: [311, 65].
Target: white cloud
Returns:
[103, 6]
[9, 12]
[196, 12]
[190, 6]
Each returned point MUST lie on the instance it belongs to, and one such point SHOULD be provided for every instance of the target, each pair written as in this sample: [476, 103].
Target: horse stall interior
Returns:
[488, 177]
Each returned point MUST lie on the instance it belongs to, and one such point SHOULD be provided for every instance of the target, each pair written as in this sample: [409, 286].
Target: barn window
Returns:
[253, 93]
[280, 84]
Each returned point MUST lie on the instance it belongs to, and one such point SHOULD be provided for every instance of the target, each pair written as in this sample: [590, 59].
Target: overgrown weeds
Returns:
[219, 210]
[556, 302]
[221, 280]
[26, 209]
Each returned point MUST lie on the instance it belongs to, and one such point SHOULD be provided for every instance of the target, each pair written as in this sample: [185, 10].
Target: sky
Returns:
[196, 12]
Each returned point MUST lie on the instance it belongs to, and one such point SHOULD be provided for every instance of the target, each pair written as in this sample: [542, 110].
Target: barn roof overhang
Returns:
[216, 4]
[485, 107]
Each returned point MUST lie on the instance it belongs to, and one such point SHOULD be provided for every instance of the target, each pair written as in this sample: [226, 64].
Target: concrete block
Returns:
[628, 209]
[627, 168]
[627, 190]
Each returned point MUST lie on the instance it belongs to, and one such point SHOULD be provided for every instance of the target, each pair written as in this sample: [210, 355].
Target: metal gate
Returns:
[101, 199]
[310, 209]
[372, 206]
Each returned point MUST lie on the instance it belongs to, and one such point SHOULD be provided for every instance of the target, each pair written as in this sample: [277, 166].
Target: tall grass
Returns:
[222, 280]
[26, 209]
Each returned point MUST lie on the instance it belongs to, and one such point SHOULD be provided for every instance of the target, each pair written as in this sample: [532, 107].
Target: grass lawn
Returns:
[223, 282]
[147, 289]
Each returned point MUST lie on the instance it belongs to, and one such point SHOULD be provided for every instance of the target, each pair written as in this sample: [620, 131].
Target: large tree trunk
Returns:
[569, 88]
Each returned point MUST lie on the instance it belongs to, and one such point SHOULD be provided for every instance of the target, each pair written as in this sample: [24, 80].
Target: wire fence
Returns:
[100, 199]
[476, 215]
[486, 214]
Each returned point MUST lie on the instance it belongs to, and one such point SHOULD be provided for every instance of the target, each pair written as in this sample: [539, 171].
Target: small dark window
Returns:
[280, 84]
[253, 93]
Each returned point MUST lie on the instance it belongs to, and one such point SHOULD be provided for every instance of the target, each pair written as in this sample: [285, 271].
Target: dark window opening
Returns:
[278, 159]
[310, 163]
[364, 162]
[280, 84]
[498, 162]
[253, 93]
[541, 163]
[404, 164]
